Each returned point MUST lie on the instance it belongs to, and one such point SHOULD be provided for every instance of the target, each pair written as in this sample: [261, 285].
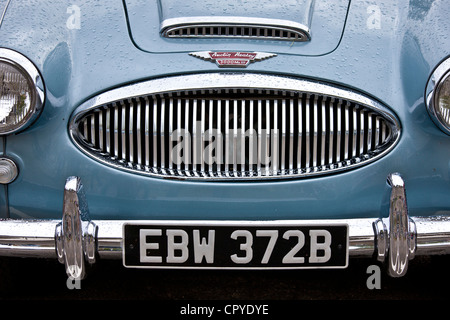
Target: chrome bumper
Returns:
[76, 241]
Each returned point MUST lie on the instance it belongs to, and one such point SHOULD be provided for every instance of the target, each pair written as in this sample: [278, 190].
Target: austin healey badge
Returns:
[232, 59]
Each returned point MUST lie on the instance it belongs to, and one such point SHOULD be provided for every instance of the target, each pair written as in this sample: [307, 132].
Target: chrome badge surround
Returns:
[232, 59]
[211, 81]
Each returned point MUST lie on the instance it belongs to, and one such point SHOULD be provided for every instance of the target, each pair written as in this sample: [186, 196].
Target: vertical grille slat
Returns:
[162, 146]
[300, 133]
[108, 131]
[267, 142]
[234, 133]
[116, 129]
[235, 136]
[315, 134]
[307, 134]
[242, 143]
[331, 142]
[139, 143]
[291, 136]
[131, 114]
[283, 139]
[260, 137]
[275, 139]
[178, 128]
[146, 143]
[170, 133]
[354, 131]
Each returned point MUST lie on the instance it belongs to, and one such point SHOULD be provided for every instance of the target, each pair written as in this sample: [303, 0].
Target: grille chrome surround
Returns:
[235, 27]
[292, 128]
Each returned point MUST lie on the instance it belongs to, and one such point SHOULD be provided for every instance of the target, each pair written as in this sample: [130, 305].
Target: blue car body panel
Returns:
[390, 60]
[144, 23]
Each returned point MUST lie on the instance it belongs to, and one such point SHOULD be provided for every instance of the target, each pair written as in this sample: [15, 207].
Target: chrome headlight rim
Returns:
[29, 71]
[434, 85]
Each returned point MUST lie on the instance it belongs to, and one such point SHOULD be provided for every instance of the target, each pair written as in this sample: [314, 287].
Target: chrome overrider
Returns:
[77, 241]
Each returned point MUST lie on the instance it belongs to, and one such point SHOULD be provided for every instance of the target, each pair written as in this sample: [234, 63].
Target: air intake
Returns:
[234, 27]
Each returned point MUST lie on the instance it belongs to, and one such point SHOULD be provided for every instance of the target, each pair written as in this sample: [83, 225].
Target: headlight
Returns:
[21, 92]
[438, 96]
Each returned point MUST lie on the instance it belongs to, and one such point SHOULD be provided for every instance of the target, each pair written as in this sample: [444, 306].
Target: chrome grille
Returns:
[234, 132]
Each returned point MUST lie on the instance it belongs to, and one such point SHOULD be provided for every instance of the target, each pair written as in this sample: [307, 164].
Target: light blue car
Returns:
[225, 135]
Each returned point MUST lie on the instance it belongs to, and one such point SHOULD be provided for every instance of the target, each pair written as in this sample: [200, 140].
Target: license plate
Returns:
[235, 245]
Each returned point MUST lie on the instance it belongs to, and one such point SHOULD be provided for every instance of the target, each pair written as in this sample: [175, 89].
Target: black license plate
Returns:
[235, 245]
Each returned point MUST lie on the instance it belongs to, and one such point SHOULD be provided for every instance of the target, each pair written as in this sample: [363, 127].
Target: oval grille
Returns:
[234, 132]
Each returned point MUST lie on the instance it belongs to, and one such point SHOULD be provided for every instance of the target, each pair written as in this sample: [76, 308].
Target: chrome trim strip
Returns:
[300, 32]
[36, 238]
[243, 81]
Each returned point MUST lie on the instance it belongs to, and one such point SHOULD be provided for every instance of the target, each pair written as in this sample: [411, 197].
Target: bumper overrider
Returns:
[77, 241]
